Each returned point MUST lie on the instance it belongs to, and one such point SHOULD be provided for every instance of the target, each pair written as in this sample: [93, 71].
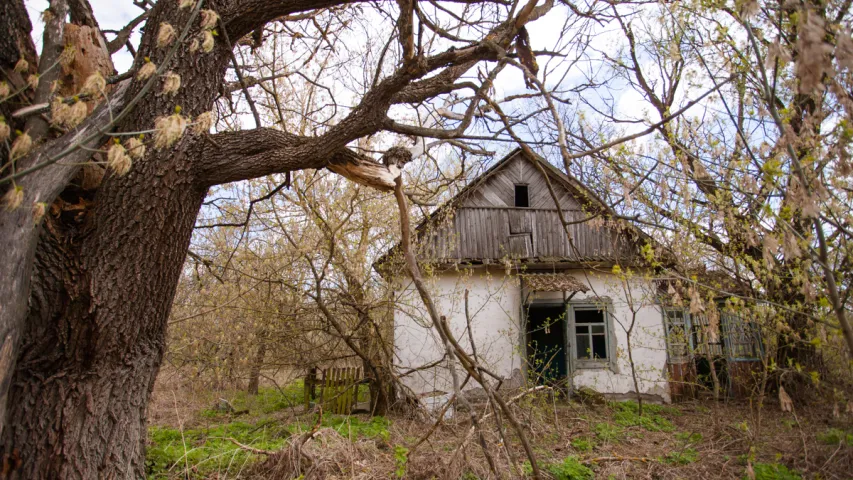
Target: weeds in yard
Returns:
[689, 437]
[627, 415]
[773, 471]
[209, 450]
[682, 457]
[653, 423]
[583, 444]
[401, 460]
[268, 400]
[570, 469]
[631, 405]
[373, 448]
[607, 432]
[836, 436]
[686, 454]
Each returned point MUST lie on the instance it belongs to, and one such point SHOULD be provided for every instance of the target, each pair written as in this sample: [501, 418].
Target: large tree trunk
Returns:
[103, 282]
[101, 293]
[95, 335]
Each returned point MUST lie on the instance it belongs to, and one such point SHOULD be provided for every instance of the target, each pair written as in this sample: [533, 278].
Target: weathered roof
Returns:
[483, 239]
[554, 282]
[567, 181]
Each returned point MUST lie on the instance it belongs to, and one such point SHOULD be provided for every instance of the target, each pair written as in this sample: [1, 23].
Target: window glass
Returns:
[599, 346]
[589, 316]
[590, 334]
[583, 346]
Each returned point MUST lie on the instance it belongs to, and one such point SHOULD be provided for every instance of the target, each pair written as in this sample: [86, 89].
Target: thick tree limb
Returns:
[251, 154]
[49, 69]
[19, 233]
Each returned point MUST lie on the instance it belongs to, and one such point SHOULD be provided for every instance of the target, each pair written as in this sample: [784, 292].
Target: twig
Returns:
[618, 459]
[251, 449]
[240, 79]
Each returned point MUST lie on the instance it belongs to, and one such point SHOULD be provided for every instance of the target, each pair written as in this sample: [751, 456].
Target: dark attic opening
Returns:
[522, 198]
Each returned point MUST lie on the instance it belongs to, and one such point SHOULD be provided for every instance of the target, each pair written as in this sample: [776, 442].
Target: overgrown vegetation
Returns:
[583, 444]
[570, 469]
[207, 448]
[713, 135]
[384, 447]
[836, 436]
[627, 415]
[773, 471]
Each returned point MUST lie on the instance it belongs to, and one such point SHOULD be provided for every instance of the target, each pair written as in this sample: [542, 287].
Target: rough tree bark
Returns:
[101, 293]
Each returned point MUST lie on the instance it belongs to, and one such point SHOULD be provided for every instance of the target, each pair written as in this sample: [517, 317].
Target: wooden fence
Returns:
[338, 388]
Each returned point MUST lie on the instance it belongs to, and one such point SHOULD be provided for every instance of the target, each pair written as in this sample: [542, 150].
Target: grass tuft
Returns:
[773, 471]
[570, 469]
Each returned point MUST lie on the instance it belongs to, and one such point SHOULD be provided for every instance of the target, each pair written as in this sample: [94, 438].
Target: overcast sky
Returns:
[544, 33]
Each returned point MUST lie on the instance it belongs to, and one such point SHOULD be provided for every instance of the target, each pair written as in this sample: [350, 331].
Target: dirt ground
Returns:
[571, 440]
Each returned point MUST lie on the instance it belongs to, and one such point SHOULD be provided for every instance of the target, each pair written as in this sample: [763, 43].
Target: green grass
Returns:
[836, 436]
[681, 457]
[773, 471]
[607, 432]
[627, 415]
[633, 406]
[207, 451]
[268, 400]
[349, 427]
[689, 437]
[583, 444]
[570, 469]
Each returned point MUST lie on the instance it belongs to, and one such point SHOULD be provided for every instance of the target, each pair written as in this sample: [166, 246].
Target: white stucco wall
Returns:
[648, 343]
[495, 310]
[494, 306]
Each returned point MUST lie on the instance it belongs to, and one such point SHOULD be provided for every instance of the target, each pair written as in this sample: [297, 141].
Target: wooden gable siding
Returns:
[485, 225]
[498, 190]
[485, 234]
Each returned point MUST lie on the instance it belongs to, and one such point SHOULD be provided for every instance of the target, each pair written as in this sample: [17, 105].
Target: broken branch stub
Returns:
[366, 171]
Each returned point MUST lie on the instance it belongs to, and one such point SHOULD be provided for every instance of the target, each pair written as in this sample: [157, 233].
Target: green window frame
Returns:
[592, 342]
[678, 334]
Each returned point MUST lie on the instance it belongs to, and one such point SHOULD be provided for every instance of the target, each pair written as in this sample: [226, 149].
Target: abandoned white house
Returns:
[540, 302]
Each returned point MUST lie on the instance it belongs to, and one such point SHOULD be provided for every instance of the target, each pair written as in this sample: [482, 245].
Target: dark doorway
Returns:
[703, 372]
[546, 344]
